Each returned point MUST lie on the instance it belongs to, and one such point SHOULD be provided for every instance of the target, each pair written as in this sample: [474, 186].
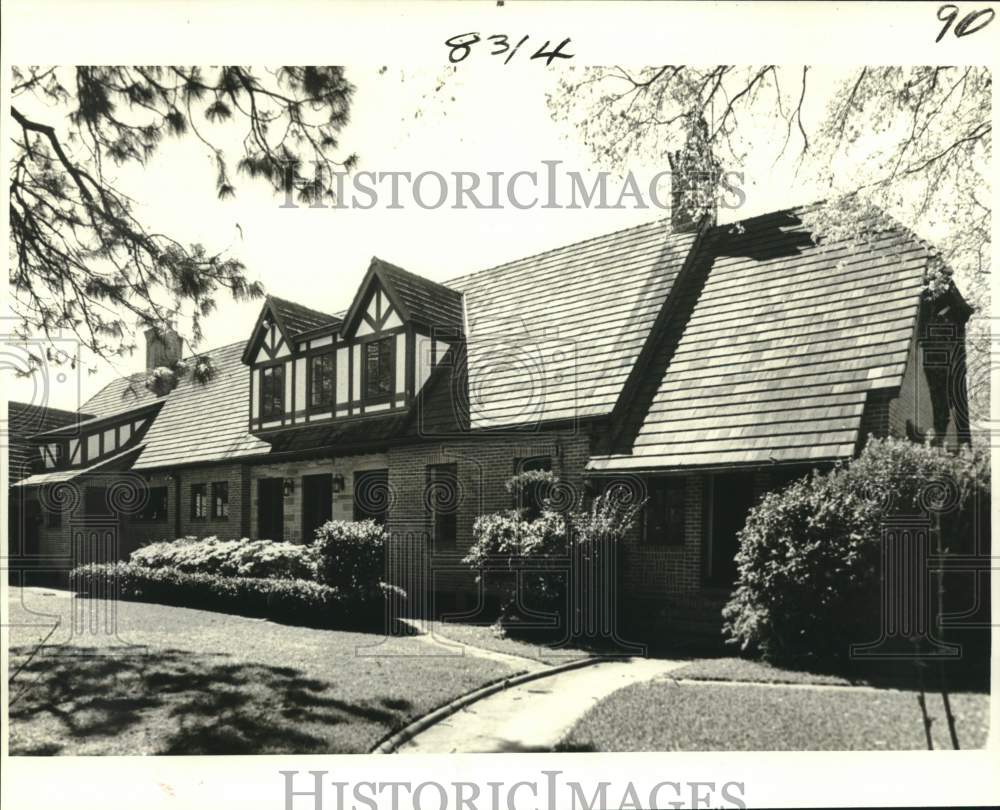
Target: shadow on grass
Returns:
[186, 703]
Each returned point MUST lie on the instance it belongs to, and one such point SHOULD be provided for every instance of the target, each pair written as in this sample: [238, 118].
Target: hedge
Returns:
[296, 601]
[239, 558]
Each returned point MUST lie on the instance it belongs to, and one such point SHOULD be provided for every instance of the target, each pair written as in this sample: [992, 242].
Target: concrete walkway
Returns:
[447, 646]
[536, 715]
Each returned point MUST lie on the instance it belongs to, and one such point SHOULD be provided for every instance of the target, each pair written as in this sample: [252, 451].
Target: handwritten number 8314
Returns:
[461, 47]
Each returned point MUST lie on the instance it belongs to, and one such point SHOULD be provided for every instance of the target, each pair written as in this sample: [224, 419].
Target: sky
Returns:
[480, 120]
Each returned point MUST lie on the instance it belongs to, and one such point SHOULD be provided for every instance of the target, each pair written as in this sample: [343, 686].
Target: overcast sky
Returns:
[479, 121]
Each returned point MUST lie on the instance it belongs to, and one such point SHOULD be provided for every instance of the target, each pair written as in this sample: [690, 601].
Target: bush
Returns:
[810, 555]
[235, 558]
[350, 555]
[519, 543]
[295, 601]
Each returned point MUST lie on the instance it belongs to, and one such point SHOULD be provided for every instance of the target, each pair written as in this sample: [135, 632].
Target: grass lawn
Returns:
[483, 636]
[668, 716]
[743, 669]
[212, 683]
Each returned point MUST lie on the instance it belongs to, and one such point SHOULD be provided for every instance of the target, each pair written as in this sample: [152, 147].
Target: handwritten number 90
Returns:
[948, 13]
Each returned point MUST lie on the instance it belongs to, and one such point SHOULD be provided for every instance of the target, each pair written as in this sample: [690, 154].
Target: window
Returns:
[532, 495]
[321, 381]
[371, 495]
[220, 500]
[54, 455]
[155, 509]
[272, 391]
[108, 441]
[442, 501]
[378, 368]
[199, 501]
[663, 517]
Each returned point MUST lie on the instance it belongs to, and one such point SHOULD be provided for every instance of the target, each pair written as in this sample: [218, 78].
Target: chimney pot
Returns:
[164, 347]
[694, 179]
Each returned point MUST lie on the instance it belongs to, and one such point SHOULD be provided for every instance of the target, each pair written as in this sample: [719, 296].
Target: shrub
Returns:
[235, 558]
[810, 555]
[350, 555]
[291, 600]
[511, 542]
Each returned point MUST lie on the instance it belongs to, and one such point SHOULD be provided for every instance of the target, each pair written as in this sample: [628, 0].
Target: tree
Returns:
[913, 142]
[82, 262]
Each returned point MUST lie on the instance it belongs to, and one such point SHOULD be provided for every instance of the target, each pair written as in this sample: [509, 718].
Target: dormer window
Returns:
[379, 369]
[272, 391]
[321, 382]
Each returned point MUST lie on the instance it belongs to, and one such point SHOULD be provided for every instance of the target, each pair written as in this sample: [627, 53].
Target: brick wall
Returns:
[483, 466]
[664, 587]
[226, 529]
[343, 502]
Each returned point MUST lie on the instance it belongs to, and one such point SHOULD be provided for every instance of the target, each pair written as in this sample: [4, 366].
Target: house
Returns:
[24, 514]
[703, 363]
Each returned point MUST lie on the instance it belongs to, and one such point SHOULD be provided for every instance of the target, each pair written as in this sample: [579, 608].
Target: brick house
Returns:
[705, 363]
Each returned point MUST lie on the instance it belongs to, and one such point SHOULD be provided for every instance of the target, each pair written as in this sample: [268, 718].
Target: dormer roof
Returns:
[291, 319]
[419, 300]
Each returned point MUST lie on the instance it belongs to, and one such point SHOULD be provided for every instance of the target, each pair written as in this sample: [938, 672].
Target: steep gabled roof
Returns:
[198, 422]
[555, 335]
[419, 300]
[771, 356]
[296, 319]
[291, 319]
[205, 421]
[423, 301]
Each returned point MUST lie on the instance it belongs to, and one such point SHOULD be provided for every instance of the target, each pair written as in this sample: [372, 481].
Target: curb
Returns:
[391, 743]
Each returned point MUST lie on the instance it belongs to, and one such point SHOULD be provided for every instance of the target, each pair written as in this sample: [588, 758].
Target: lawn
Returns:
[670, 716]
[731, 668]
[200, 682]
[484, 636]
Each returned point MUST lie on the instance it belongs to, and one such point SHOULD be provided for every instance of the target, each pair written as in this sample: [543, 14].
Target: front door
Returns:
[732, 498]
[271, 508]
[317, 504]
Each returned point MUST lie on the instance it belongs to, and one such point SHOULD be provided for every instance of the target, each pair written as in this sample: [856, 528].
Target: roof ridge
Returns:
[557, 248]
[271, 297]
[406, 272]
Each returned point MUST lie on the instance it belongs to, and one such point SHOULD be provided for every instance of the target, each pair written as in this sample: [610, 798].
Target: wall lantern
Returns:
[338, 482]
[289, 486]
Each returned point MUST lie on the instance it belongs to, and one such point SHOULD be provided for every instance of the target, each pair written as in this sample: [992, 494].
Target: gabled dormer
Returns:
[373, 362]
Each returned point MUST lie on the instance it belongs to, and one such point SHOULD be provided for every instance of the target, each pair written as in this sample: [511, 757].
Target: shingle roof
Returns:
[199, 422]
[24, 420]
[119, 461]
[771, 354]
[425, 301]
[554, 336]
[769, 347]
[297, 318]
[205, 421]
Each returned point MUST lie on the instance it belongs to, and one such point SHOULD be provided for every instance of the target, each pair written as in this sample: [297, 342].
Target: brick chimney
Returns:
[694, 181]
[163, 347]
